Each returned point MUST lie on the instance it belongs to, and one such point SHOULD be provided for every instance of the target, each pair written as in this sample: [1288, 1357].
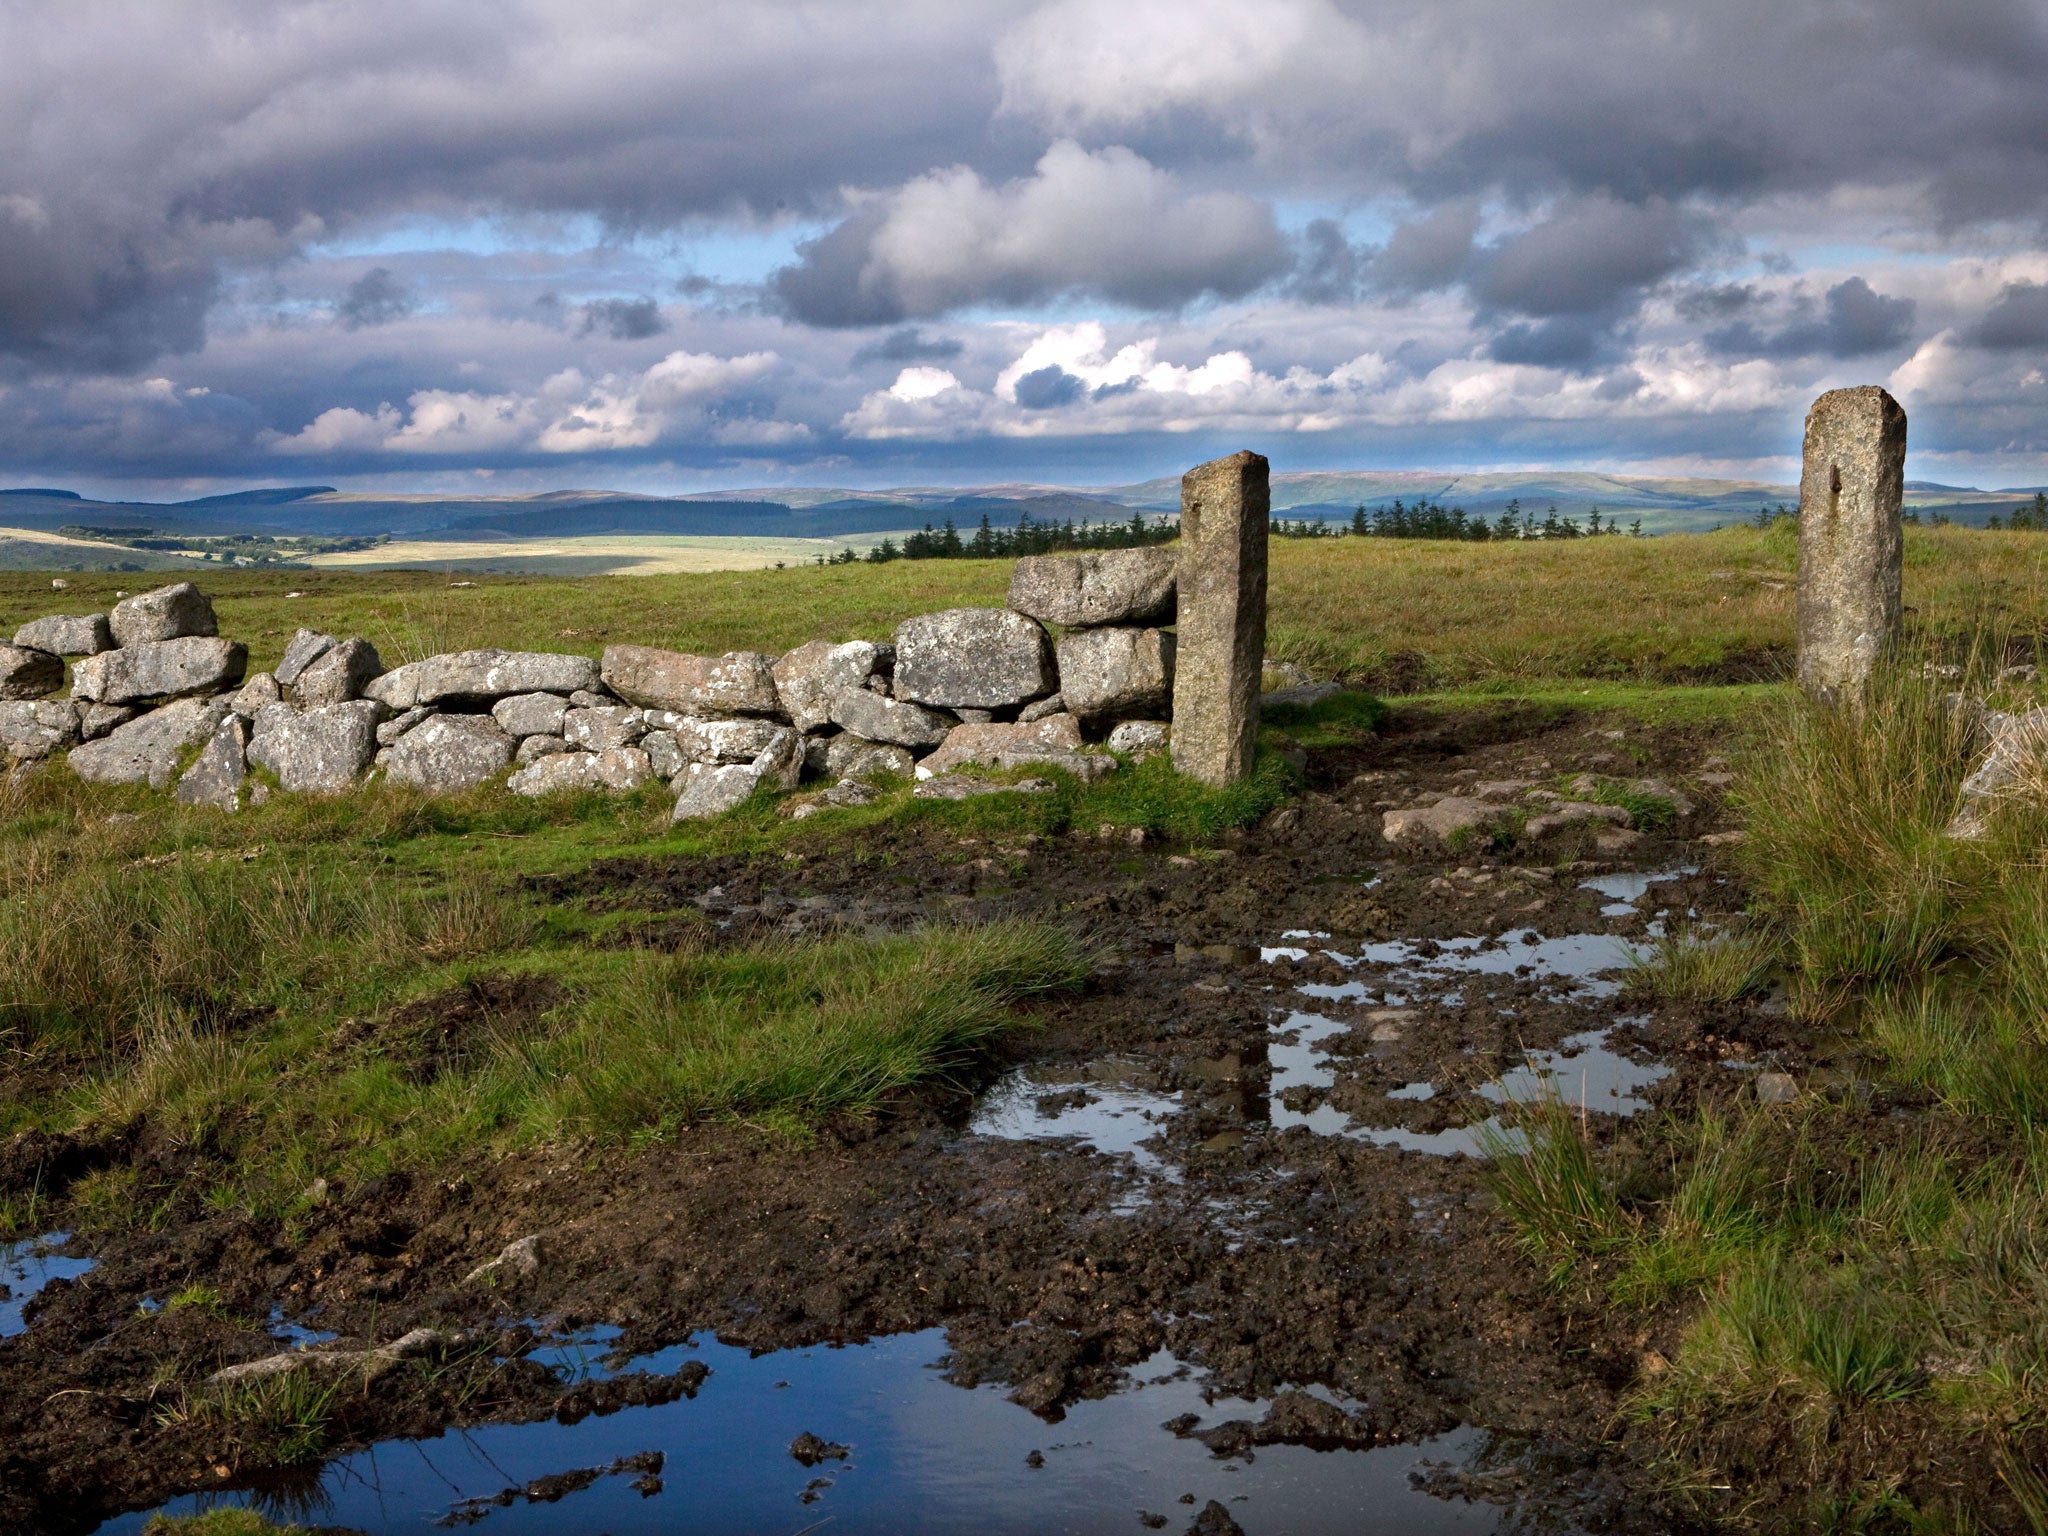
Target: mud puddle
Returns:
[898, 1448]
[26, 1267]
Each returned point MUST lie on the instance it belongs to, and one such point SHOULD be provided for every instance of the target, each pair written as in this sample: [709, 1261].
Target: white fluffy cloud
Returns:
[1107, 223]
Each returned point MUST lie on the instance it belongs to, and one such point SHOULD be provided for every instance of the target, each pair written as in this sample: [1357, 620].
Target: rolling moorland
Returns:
[304, 1072]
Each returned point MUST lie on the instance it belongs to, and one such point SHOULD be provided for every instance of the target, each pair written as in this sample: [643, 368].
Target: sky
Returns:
[670, 245]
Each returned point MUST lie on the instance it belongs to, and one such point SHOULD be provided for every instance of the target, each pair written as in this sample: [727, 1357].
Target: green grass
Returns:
[215, 1522]
[1859, 1295]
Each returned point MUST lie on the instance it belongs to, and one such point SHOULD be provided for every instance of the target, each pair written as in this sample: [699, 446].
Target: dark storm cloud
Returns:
[375, 298]
[909, 345]
[2018, 320]
[1588, 257]
[1853, 320]
[1045, 388]
[623, 319]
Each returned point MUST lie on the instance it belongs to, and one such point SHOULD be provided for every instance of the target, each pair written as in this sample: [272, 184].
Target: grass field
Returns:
[593, 555]
[1403, 616]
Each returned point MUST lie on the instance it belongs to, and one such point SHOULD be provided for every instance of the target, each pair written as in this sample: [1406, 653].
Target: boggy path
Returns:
[1203, 1160]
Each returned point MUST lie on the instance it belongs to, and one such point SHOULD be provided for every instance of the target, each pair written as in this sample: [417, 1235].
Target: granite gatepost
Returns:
[1221, 578]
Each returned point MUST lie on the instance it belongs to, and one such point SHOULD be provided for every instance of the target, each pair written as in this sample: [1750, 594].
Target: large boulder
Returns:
[28, 674]
[481, 677]
[217, 774]
[603, 727]
[340, 674]
[305, 647]
[852, 757]
[811, 676]
[1116, 671]
[160, 669]
[37, 727]
[530, 714]
[1111, 586]
[318, 751]
[985, 744]
[620, 769]
[146, 750]
[980, 658]
[737, 683]
[895, 721]
[446, 754]
[168, 613]
[85, 634]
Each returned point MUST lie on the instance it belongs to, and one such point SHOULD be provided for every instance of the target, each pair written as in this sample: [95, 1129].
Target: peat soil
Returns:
[1237, 1151]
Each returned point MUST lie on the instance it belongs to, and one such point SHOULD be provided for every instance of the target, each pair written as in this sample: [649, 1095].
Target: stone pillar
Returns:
[1221, 576]
[1850, 540]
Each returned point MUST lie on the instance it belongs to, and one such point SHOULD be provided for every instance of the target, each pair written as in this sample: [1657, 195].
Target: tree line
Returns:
[1431, 520]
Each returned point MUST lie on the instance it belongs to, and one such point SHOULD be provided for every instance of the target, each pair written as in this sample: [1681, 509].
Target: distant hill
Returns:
[1665, 504]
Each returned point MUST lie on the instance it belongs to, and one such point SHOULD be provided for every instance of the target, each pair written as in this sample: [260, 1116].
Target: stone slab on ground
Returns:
[1225, 509]
[1083, 765]
[168, 613]
[620, 769]
[737, 683]
[318, 751]
[160, 669]
[146, 750]
[983, 658]
[530, 714]
[450, 753]
[1111, 586]
[710, 790]
[958, 786]
[603, 727]
[848, 756]
[1451, 815]
[85, 634]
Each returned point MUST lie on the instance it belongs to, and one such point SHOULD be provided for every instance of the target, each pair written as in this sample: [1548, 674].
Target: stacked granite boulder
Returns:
[158, 697]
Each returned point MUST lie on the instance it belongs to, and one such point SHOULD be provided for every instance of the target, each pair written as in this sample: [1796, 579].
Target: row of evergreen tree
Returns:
[1029, 537]
[1431, 520]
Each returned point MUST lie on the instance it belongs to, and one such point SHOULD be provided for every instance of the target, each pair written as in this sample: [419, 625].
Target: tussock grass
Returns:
[1864, 1295]
[273, 1421]
[1542, 1169]
[215, 1522]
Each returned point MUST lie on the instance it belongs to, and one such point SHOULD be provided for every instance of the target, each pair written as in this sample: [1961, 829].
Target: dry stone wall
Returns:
[157, 696]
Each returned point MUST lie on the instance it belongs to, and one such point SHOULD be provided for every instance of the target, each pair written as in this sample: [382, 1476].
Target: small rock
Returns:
[585, 698]
[662, 751]
[305, 647]
[249, 699]
[1038, 709]
[533, 748]
[516, 1260]
[709, 790]
[34, 728]
[1301, 696]
[967, 715]
[1570, 813]
[1776, 1088]
[391, 730]
[1214, 1520]
[168, 613]
[1733, 839]
[1450, 815]
[984, 744]
[956, 786]
[808, 1449]
[603, 727]
[1139, 739]
[530, 714]
[96, 720]
[1086, 766]
[339, 674]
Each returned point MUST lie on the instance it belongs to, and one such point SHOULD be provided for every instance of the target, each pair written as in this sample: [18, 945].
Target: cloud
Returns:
[375, 298]
[1855, 320]
[1046, 388]
[908, 345]
[1103, 223]
[2018, 320]
[686, 393]
[1587, 257]
[623, 319]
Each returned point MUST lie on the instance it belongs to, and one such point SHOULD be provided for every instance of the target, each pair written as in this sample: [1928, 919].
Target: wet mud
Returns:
[1210, 1241]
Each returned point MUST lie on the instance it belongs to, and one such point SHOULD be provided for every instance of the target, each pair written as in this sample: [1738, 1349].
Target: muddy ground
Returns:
[1269, 1257]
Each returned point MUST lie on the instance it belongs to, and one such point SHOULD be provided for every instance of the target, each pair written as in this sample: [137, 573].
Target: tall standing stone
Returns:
[1850, 541]
[1221, 577]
